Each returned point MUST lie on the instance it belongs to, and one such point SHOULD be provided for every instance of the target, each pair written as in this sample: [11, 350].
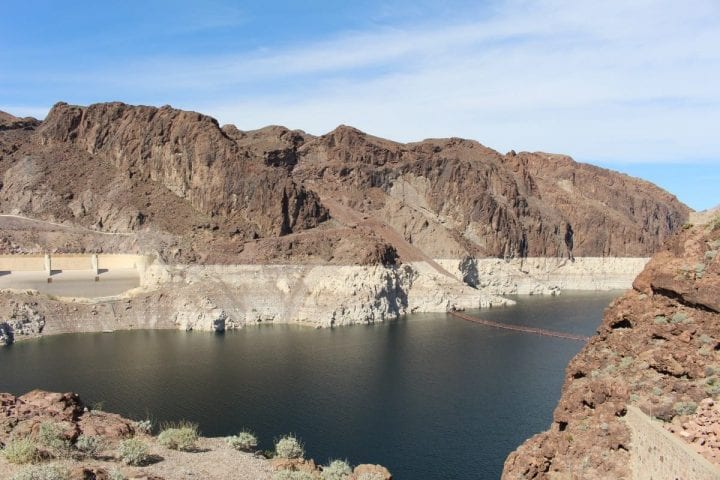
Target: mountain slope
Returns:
[193, 191]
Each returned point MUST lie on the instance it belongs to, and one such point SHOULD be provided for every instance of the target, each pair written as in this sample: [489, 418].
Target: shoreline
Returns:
[227, 297]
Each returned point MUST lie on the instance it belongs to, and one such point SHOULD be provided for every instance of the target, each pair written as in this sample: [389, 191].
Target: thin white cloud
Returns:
[599, 80]
[612, 80]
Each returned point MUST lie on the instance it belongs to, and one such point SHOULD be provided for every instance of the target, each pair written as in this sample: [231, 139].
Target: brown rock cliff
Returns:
[658, 348]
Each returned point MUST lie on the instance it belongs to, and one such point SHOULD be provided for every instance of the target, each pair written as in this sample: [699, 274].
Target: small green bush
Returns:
[289, 447]
[704, 338]
[52, 437]
[115, 474]
[43, 472]
[661, 320]
[679, 317]
[712, 386]
[21, 451]
[685, 408]
[133, 451]
[90, 445]
[336, 470]
[179, 437]
[292, 475]
[144, 426]
[626, 362]
[244, 441]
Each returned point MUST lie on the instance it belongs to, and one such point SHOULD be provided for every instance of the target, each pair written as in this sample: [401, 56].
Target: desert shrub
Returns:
[289, 447]
[21, 451]
[679, 317]
[180, 436]
[144, 426]
[43, 472]
[133, 451]
[336, 470]
[293, 475]
[52, 437]
[626, 362]
[244, 440]
[712, 386]
[685, 408]
[90, 445]
[705, 338]
[660, 320]
[115, 474]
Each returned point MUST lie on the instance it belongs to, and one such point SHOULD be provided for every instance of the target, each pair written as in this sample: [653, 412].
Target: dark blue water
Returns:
[429, 396]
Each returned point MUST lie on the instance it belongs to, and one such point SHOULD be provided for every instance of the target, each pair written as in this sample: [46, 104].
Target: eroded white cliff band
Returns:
[541, 275]
[318, 295]
[225, 297]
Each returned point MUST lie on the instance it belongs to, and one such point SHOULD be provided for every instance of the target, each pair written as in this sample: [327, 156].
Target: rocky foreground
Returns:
[58, 427]
[658, 348]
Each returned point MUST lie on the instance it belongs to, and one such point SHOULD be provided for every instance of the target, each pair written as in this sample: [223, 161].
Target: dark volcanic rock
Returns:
[527, 204]
[191, 191]
[192, 157]
[658, 348]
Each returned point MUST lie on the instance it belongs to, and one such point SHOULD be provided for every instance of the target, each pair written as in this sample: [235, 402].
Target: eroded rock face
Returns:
[658, 348]
[179, 185]
[452, 197]
[24, 319]
[192, 157]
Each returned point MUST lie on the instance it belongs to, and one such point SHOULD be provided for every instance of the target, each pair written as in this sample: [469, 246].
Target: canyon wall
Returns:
[657, 349]
[220, 297]
[118, 178]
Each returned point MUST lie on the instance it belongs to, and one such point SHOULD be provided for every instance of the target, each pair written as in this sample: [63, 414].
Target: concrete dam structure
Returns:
[72, 275]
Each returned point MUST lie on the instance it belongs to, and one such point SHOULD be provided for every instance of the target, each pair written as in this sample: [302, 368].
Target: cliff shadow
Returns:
[469, 269]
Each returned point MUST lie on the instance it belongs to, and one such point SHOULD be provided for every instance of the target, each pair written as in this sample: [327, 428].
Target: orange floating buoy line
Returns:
[520, 328]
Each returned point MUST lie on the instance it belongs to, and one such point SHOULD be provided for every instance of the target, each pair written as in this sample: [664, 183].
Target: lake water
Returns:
[429, 396]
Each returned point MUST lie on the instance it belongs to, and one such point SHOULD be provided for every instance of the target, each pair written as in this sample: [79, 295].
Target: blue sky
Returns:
[632, 86]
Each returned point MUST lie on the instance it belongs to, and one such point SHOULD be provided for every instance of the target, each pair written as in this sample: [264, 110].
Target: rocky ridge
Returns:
[195, 192]
[178, 187]
[658, 348]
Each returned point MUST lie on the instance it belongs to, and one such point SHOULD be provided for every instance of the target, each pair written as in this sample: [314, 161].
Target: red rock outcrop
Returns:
[21, 416]
[658, 348]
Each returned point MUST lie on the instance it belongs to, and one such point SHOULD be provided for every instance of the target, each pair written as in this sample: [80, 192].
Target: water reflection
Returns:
[429, 396]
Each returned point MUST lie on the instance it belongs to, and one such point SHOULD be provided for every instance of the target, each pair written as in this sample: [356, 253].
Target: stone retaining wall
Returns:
[658, 454]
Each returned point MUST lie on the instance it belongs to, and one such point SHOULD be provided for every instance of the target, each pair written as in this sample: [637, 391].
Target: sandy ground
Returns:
[213, 460]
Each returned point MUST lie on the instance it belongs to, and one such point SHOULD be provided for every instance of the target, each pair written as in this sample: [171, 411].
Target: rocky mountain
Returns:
[176, 183]
[658, 349]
